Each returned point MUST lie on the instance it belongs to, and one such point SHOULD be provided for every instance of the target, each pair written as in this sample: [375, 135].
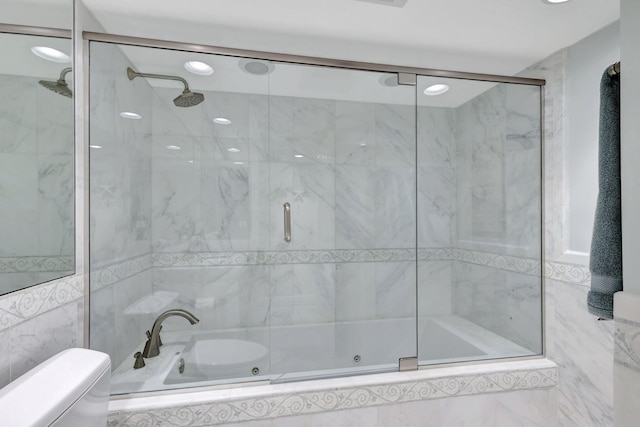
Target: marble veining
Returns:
[627, 343]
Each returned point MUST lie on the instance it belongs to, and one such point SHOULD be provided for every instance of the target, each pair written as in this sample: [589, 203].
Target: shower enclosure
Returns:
[318, 221]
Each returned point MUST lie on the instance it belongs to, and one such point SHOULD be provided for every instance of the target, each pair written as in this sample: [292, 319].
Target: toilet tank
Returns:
[71, 389]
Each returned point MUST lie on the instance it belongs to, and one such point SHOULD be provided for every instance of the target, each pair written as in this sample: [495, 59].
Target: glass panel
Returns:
[179, 218]
[342, 152]
[36, 158]
[479, 221]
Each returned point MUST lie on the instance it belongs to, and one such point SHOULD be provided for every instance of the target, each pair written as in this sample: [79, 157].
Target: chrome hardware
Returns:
[356, 358]
[614, 69]
[408, 364]
[255, 371]
[287, 222]
[139, 363]
[152, 346]
[181, 365]
[406, 79]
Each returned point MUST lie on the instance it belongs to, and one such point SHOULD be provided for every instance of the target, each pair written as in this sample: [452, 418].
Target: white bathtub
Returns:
[289, 353]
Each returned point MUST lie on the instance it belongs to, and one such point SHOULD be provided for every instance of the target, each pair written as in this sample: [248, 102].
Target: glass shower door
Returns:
[479, 220]
[342, 180]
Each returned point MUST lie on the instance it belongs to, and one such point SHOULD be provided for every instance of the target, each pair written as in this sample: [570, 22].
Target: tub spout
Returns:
[152, 346]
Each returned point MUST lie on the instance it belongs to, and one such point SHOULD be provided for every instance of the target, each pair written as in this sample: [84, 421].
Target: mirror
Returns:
[36, 143]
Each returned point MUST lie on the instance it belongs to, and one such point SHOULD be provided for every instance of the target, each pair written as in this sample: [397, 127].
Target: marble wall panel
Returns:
[120, 211]
[310, 189]
[355, 133]
[507, 303]
[39, 338]
[18, 115]
[436, 220]
[355, 206]
[302, 294]
[395, 135]
[582, 347]
[435, 288]
[5, 358]
[36, 156]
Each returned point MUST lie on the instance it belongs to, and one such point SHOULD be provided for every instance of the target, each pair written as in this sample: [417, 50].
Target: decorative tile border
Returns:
[102, 277]
[213, 259]
[501, 262]
[37, 264]
[35, 300]
[569, 273]
[119, 271]
[627, 344]
[272, 402]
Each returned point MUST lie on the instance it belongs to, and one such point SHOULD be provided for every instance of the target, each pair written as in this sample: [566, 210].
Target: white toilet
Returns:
[71, 389]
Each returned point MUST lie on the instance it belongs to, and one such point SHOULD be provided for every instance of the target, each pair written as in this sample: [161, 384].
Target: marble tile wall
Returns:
[38, 322]
[36, 151]
[349, 184]
[585, 391]
[626, 368]
[496, 139]
[504, 302]
[497, 143]
[120, 203]
[583, 349]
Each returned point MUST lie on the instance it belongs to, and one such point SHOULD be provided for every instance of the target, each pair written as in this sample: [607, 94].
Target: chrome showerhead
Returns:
[60, 86]
[185, 99]
[188, 99]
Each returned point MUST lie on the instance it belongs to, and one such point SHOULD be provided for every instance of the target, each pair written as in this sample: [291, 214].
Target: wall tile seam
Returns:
[291, 404]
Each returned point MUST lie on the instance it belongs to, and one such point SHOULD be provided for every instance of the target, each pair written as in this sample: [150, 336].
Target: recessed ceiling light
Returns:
[238, 163]
[199, 68]
[190, 161]
[363, 144]
[554, 1]
[222, 121]
[174, 147]
[95, 146]
[233, 150]
[131, 116]
[258, 68]
[298, 156]
[50, 54]
[437, 89]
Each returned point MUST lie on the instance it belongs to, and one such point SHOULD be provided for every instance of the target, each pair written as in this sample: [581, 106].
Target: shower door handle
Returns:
[287, 222]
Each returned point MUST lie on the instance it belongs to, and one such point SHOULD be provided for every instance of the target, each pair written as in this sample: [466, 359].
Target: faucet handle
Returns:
[148, 335]
[139, 363]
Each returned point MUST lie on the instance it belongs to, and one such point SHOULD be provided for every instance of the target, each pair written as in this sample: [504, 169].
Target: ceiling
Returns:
[491, 36]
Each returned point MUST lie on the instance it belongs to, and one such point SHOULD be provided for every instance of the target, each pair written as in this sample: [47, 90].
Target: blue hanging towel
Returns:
[606, 242]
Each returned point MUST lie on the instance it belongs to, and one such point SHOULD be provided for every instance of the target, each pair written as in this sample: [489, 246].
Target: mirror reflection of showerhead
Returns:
[60, 86]
[185, 99]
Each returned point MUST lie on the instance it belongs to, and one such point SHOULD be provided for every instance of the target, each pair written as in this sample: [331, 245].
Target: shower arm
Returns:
[133, 74]
[63, 74]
